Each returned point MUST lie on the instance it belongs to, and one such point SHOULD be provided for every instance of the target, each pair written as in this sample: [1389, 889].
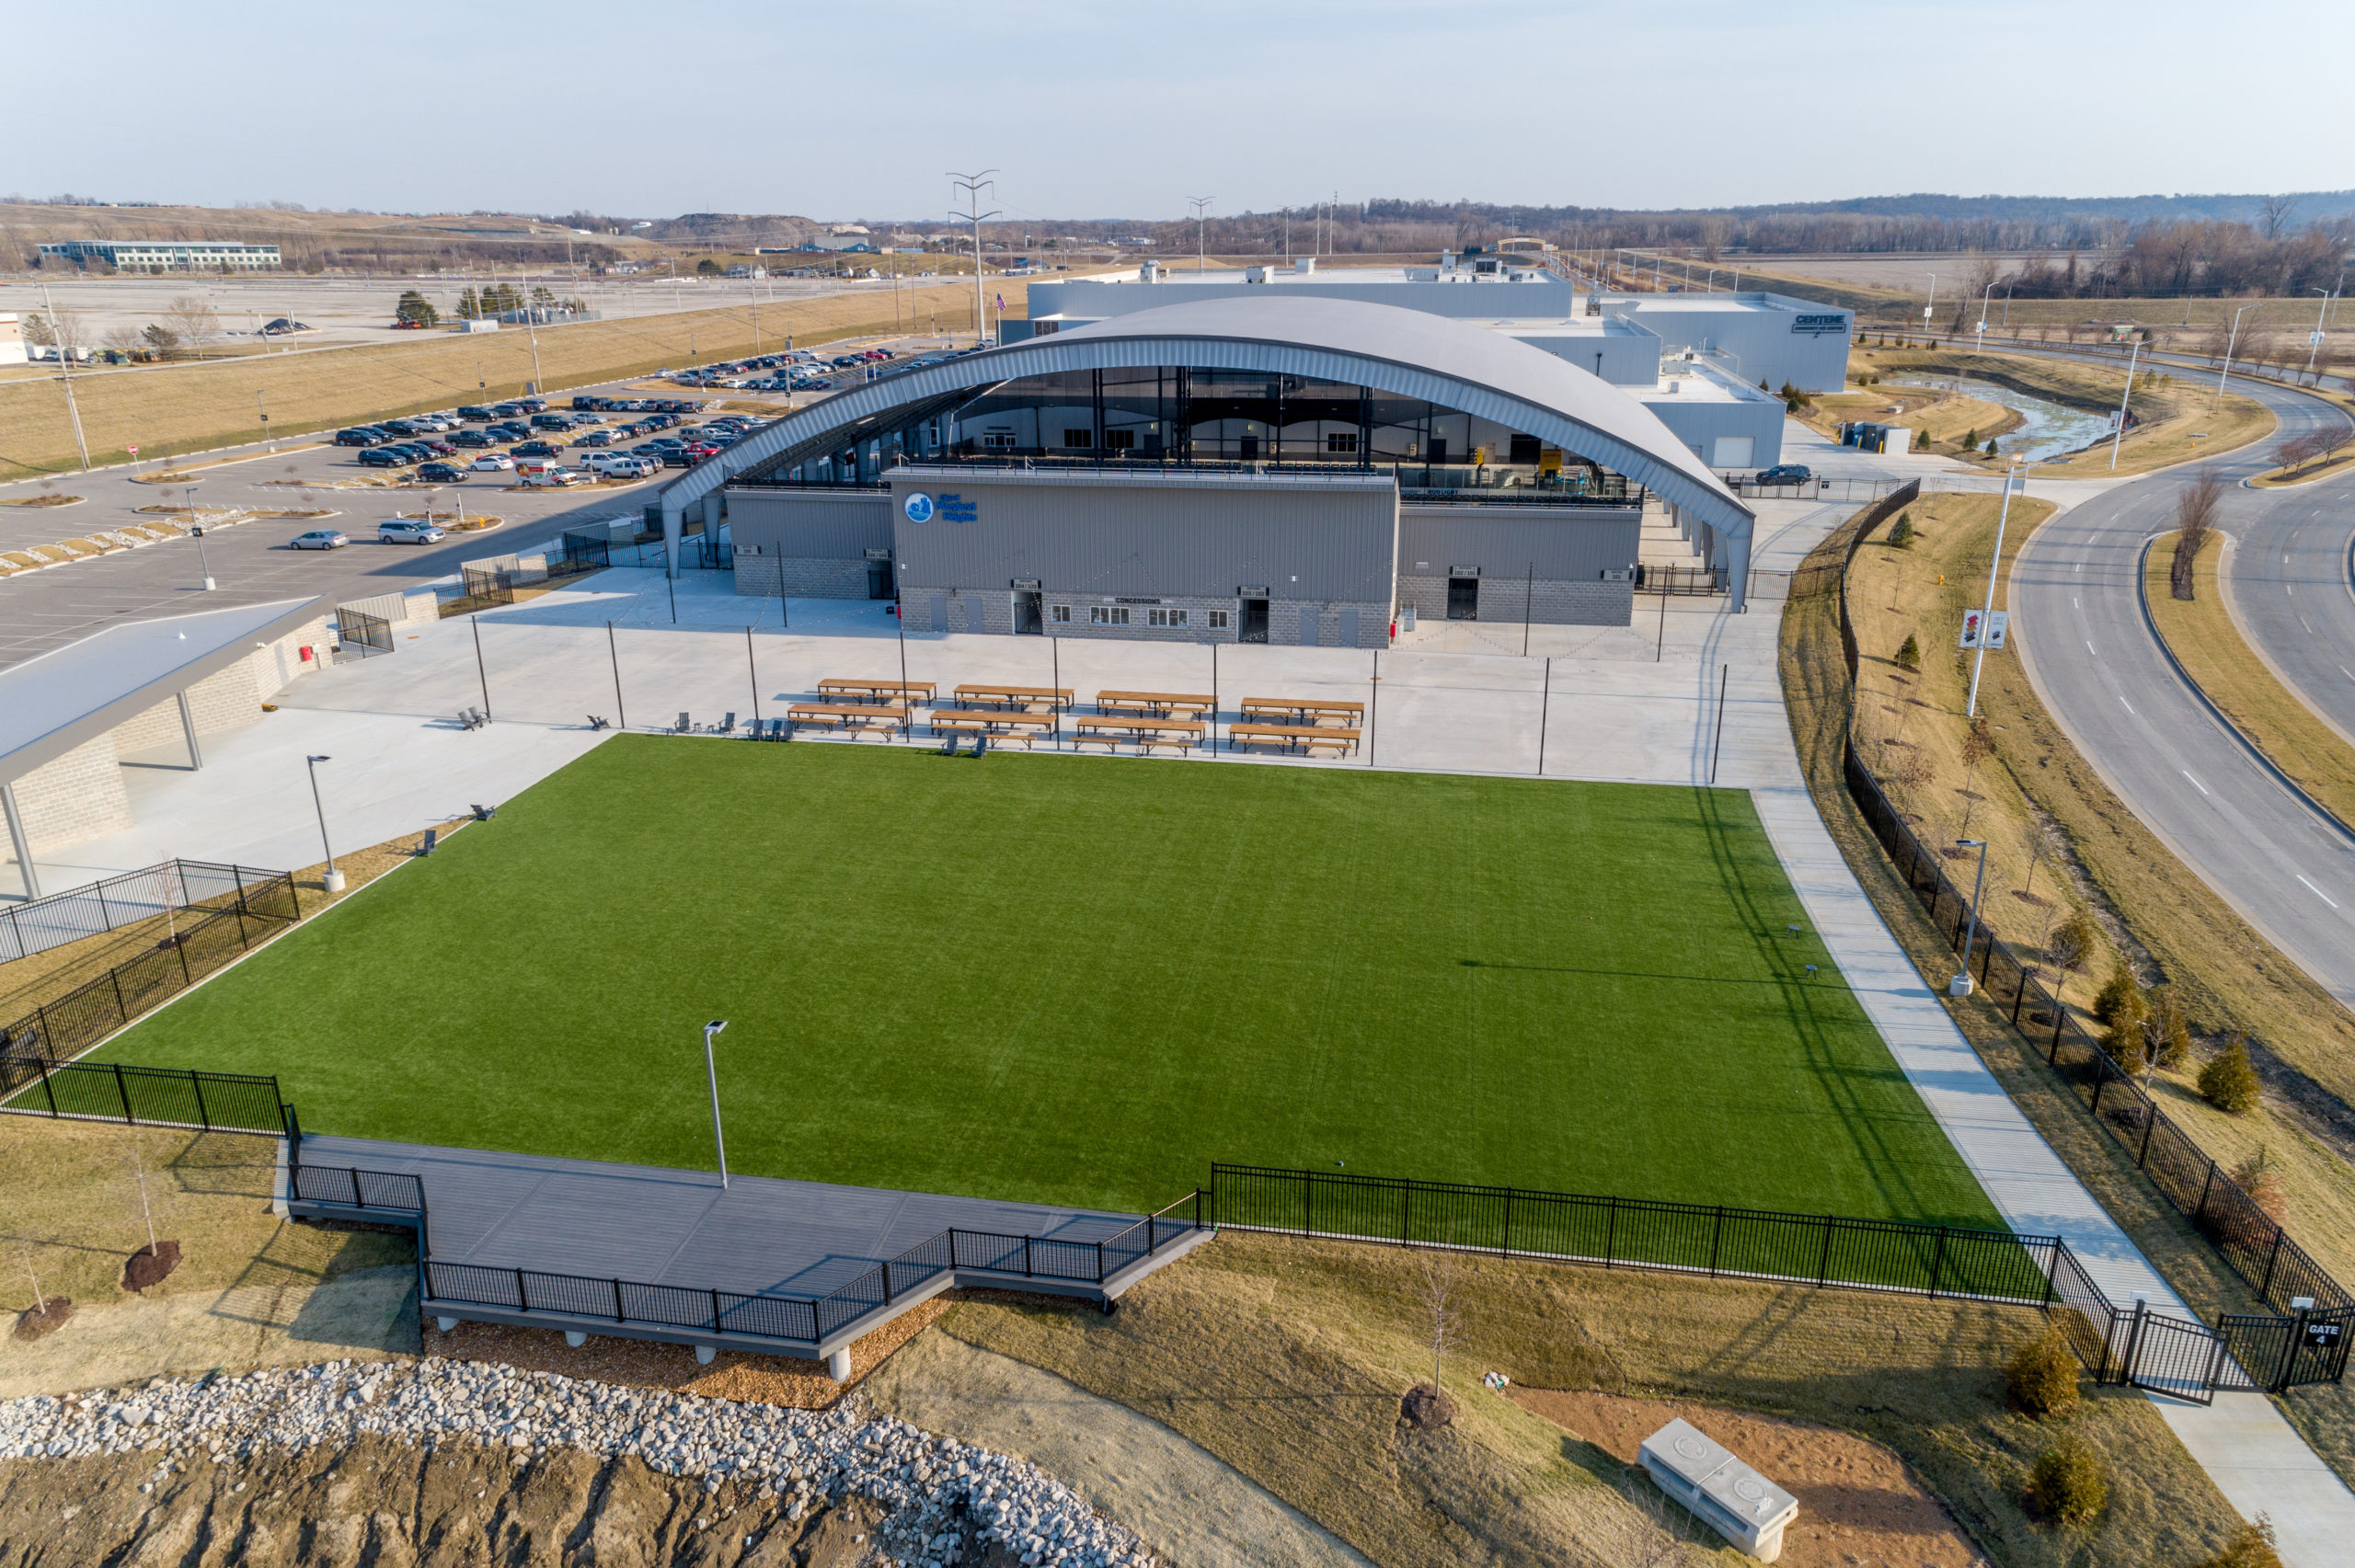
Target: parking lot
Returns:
[252, 558]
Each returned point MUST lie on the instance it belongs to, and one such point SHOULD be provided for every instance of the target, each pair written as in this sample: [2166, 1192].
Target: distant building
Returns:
[168, 255]
[742, 270]
[11, 341]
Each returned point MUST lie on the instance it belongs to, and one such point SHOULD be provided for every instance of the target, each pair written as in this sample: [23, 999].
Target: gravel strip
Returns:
[947, 1500]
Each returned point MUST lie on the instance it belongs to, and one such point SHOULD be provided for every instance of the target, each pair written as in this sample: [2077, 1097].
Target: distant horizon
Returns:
[1083, 109]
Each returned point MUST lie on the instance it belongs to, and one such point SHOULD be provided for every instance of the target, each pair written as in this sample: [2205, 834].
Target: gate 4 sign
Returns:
[2324, 1333]
[1982, 628]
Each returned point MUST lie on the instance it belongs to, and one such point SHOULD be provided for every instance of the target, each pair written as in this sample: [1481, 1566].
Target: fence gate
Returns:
[361, 632]
[487, 586]
[2169, 1356]
[583, 552]
[2277, 1353]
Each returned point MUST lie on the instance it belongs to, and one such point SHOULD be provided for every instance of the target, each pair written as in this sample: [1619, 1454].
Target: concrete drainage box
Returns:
[1729, 1497]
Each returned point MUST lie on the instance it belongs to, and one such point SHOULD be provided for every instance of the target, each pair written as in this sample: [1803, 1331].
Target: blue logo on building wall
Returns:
[956, 508]
[917, 507]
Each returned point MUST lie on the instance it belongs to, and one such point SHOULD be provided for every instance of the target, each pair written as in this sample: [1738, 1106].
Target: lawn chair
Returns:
[728, 725]
[595, 722]
[432, 838]
[949, 744]
[683, 726]
[485, 813]
[980, 744]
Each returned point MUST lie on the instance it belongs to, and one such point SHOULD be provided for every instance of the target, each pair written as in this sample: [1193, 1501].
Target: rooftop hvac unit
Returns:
[1255, 274]
[1304, 265]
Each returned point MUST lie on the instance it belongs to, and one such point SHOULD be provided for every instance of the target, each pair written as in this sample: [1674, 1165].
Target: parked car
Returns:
[535, 449]
[475, 416]
[531, 404]
[442, 474]
[648, 450]
[382, 457]
[551, 422]
[512, 432]
[492, 462]
[409, 530]
[1784, 473]
[620, 465]
[358, 435]
[596, 437]
[678, 457]
[473, 438]
[439, 447]
[667, 443]
[398, 427]
[319, 539]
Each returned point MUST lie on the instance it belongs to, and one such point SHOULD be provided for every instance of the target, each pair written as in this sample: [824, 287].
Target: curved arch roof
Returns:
[1406, 353]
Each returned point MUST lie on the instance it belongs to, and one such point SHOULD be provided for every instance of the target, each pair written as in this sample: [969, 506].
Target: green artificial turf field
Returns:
[1081, 980]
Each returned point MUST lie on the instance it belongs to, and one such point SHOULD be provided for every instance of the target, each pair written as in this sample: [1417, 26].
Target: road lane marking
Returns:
[2128, 706]
[2090, 649]
[2290, 588]
[2302, 621]
[2195, 782]
[2320, 894]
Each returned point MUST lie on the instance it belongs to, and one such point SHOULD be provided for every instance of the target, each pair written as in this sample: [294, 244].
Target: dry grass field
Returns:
[174, 408]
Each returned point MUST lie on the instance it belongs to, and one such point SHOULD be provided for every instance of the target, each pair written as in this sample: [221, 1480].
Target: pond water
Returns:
[2049, 430]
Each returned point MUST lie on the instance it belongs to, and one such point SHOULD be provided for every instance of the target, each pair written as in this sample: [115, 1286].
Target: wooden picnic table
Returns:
[1156, 703]
[1110, 730]
[862, 716]
[988, 722]
[877, 691]
[1019, 696]
[1305, 735]
[1301, 709]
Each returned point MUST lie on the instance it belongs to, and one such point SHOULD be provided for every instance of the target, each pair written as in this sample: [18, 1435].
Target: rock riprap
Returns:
[946, 1502]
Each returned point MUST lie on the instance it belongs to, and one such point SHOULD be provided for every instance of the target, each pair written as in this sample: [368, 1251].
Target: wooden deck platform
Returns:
[574, 1235]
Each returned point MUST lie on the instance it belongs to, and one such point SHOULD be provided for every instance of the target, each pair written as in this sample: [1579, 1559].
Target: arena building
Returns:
[1291, 469]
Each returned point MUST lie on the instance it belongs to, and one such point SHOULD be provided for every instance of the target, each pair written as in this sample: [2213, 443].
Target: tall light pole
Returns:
[972, 184]
[2002, 517]
[1929, 304]
[2231, 343]
[1983, 300]
[711, 1075]
[1202, 206]
[334, 882]
[65, 370]
[2114, 441]
[2314, 338]
[1960, 984]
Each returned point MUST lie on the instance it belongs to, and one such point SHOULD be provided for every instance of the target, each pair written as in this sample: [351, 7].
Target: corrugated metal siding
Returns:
[1155, 538]
[1571, 544]
[810, 526]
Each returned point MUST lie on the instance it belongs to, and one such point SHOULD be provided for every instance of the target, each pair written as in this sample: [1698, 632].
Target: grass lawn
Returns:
[1084, 980]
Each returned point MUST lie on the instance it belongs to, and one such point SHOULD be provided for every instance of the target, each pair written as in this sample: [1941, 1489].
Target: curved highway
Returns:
[2291, 583]
[2101, 670]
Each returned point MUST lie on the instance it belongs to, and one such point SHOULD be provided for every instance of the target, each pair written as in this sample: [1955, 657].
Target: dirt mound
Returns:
[381, 1501]
[47, 1317]
[1426, 1407]
[151, 1265]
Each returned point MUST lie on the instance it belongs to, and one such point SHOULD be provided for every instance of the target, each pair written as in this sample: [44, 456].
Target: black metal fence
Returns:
[1681, 580]
[63, 1027]
[487, 588]
[140, 1096]
[361, 635]
[803, 1320]
[114, 901]
[1619, 1232]
[2283, 1275]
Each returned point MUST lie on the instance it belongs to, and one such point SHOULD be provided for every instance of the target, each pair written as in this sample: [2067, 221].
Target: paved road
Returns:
[2101, 670]
[2290, 581]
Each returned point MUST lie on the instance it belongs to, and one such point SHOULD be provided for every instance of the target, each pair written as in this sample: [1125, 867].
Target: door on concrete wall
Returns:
[1349, 627]
[1464, 599]
[1029, 617]
[1439, 449]
[939, 613]
[1254, 621]
[878, 579]
[1524, 451]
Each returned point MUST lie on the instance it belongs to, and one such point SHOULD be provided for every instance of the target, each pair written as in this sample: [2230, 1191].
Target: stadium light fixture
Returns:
[334, 879]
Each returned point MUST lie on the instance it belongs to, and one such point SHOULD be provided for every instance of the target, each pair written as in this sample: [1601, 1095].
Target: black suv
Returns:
[473, 438]
[475, 415]
[360, 435]
[534, 449]
[551, 422]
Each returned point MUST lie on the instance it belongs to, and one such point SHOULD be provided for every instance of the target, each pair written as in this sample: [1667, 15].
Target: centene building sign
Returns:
[922, 507]
[1817, 326]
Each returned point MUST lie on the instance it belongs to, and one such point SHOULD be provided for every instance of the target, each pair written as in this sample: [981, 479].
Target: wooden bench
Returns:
[1306, 737]
[997, 727]
[1110, 730]
[1160, 705]
[1303, 710]
[877, 691]
[850, 715]
[1033, 699]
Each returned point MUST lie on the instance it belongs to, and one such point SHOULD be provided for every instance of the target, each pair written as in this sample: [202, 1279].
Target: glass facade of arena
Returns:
[1185, 417]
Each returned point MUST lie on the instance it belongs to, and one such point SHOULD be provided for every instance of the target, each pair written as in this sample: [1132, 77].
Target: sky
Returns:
[848, 109]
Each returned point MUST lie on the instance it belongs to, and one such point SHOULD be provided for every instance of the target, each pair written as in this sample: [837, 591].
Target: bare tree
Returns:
[2274, 216]
[2040, 840]
[190, 317]
[2195, 519]
[2329, 443]
[1436, 1313]
[2298, 451]
[1978, 745]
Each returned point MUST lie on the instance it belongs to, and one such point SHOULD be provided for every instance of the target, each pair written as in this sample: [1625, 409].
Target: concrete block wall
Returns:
[1595, 603]
[73, 799]
[803, 576]
[1300, 623]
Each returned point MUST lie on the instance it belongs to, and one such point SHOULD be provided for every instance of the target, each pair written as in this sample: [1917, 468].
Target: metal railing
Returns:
[802, 1319]
[103, 905]
[2314, 1307]
[63, 1027]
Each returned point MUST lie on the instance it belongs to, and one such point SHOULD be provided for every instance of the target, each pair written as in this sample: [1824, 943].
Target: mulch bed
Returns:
[1426, 1407]
[149, 1266]
[45, 1319]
